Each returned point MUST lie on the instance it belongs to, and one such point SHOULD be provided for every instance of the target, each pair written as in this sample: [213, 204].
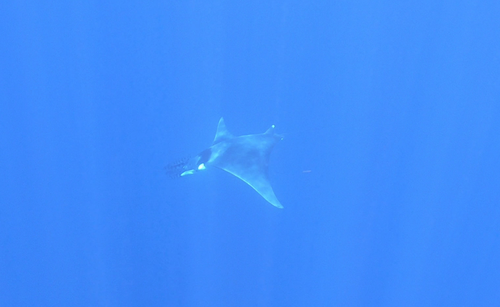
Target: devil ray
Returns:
[246, 157]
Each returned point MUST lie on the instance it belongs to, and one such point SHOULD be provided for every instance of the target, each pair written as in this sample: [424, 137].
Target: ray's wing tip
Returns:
[270, 130]
[277, 205]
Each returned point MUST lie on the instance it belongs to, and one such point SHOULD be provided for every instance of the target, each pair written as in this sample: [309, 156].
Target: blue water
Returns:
[388, 171]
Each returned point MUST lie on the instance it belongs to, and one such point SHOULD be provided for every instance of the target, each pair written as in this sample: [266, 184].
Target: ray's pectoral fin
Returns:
[222, 133]
[247, 157]
[257, 179]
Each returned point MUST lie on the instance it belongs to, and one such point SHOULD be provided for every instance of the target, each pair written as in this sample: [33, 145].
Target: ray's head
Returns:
[194, 164]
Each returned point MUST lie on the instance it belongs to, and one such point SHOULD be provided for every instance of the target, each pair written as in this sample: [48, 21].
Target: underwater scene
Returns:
[258, 153]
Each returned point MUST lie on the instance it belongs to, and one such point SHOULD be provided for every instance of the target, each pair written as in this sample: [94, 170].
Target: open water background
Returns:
[388, 171]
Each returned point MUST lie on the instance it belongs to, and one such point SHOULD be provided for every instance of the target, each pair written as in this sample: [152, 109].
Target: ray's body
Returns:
[246, 157]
